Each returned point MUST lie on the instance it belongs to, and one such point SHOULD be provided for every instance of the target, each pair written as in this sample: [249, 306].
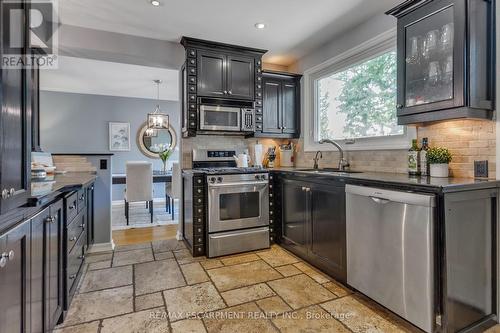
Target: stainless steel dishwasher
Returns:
[390, 250]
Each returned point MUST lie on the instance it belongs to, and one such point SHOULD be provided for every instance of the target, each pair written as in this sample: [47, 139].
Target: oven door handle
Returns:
[239, 184]
[231, 234]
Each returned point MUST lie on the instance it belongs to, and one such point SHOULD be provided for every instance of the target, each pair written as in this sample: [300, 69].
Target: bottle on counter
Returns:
[414, 159]
[424, 164]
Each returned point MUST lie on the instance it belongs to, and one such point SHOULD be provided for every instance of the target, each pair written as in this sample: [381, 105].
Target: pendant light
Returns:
[157, 119]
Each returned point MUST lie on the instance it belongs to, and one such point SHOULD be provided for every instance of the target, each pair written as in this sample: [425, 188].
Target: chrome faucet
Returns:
[343, 163]
[316, 159]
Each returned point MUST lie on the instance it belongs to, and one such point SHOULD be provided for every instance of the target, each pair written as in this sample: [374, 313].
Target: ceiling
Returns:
[293, 27]
[87, 76]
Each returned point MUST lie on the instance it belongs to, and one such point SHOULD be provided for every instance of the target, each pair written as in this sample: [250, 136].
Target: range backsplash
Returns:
[468, 140]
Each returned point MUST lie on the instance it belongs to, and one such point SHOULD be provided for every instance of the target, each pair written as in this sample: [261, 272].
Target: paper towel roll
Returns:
[258, 155]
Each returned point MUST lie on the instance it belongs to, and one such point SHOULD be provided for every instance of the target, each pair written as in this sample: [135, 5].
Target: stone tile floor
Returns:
[160, 288]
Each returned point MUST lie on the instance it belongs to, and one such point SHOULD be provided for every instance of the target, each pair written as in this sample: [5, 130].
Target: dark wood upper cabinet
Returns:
[271, 110]
[240, 77]
[15, 126]
[281, 106]
[212, 79]
[445, 60]
[15, 266]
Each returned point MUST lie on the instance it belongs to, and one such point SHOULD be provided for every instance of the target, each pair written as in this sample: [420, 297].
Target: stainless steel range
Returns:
[237, 203]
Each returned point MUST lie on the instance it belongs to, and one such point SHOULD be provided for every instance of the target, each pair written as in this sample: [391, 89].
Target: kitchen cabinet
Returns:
[15, 123]
[445, 60]
[46, 268]
[313, 223]
[279, 116]
[225, 75]
[220, 74]
[15, 274]
[212, 76]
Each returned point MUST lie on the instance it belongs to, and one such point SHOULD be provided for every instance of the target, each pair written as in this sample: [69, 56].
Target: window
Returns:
[360, 101]
[353, 99]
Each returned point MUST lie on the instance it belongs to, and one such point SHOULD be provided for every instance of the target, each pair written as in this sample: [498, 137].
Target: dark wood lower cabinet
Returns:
[46, 268]
[15, 276]
[313, 223]
[33, 267]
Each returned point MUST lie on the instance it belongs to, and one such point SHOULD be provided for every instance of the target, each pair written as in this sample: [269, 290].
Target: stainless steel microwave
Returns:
[226, 119]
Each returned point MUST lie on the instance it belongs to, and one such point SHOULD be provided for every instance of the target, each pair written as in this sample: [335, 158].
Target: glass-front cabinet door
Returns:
[431, 71]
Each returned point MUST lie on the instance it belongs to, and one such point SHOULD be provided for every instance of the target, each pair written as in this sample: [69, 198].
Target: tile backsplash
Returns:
[468, 140]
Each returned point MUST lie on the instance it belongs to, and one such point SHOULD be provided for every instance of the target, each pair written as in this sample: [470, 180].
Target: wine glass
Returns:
[446, 39]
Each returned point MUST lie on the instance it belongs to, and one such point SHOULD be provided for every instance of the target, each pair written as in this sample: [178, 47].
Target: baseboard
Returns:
[102, 247]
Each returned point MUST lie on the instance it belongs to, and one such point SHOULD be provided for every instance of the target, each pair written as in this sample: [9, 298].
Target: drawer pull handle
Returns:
[72, 239]
[82, 257]
[50, 219]
[71, 207]
[82, 197]
[82, 225]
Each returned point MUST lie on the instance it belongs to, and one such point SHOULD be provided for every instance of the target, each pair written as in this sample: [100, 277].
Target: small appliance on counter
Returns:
[242, 160]
[270, 158]
[286, 155]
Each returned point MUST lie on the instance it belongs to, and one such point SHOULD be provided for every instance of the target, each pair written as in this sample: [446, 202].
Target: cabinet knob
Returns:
[71, 207]
[5, 194]
[72, 239]
[399, 106]
[12, 191]
[81, 257]
[72, 277]
[230, 92]
[82, 197]
[6, 257]
[50, 219]
[284, 127]
[225, 92]
[82, 225]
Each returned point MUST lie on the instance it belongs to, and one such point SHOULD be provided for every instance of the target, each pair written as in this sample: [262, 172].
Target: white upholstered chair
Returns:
[173, 189]
[139, 185]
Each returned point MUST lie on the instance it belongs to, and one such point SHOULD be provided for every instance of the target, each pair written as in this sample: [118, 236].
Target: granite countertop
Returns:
[60, 183]
[429, 183]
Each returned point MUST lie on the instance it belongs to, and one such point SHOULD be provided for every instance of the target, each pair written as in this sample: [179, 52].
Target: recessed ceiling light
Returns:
[260, 25]
[155, 3]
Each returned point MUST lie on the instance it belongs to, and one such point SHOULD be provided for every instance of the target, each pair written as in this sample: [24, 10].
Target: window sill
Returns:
[399, 142]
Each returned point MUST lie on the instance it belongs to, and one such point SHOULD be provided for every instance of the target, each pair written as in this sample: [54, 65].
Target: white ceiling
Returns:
[87, 76]
[294, 27]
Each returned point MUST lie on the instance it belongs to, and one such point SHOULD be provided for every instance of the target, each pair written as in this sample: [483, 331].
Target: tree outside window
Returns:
[360, 101]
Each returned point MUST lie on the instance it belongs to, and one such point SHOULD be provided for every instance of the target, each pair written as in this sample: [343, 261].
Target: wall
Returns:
[468, 140]
[78, 123]
[114, 47]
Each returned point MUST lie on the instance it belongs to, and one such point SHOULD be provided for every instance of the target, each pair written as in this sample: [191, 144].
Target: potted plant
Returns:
[439, 158]
[164, 156]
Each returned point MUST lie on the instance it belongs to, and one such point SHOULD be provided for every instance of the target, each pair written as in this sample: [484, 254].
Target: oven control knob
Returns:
[219, 179]
[263, 177]
[257, 177]
[212, 180]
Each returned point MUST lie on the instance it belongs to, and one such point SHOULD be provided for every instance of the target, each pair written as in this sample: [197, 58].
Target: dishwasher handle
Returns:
[380, 195]
[380, 200]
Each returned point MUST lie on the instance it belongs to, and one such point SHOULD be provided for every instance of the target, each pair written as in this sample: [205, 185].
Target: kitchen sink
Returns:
[323, 170]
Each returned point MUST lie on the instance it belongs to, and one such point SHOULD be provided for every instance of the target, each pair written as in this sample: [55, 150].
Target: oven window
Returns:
[221, 118]
[235, 206]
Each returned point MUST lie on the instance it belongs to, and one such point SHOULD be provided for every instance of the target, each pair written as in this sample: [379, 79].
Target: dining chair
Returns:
[173, 189]
[139, 185]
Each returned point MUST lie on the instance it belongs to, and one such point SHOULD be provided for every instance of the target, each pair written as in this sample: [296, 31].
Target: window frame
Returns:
[363, 52]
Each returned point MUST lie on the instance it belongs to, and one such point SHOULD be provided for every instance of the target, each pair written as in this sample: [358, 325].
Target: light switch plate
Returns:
[481, 169]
